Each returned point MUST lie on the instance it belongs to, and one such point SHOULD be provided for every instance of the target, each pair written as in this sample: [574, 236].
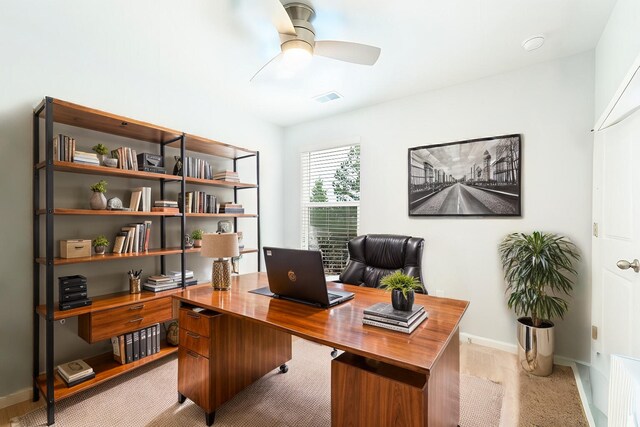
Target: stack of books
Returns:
[133, 238]
[166, 206]
[75, 372]
[172, 280]
[85, 158]
[136, 345]
[127, 158]
[63, 148]
[385, 316]
[227, 176]
[199, 202]
[231, 208]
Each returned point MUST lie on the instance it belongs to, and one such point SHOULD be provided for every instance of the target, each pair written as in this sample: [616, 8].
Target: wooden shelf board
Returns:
[242, 251]
[111, 256]
[105, 368]
[210, 146]
[101, 121]
[103, 170]
[64, 211]
[105, 302]
[222, 215]
[219, 183]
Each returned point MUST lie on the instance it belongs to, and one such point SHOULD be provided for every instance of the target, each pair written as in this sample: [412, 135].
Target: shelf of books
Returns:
[111, 256]
[107, 171]
[105, 212]
[105, 368]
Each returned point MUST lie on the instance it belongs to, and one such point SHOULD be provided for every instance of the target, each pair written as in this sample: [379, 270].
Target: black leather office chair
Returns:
[373, 256]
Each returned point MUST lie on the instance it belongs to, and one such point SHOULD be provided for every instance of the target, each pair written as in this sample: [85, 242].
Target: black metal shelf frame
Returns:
[47, 106]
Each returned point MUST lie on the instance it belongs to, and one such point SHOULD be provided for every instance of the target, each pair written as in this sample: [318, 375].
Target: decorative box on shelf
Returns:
[77, 248]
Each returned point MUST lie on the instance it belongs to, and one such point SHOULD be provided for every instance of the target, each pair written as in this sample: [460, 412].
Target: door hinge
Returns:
[595, 229]
[594, 332]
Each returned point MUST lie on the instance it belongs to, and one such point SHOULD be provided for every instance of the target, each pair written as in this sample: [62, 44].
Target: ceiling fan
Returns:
[297, 39]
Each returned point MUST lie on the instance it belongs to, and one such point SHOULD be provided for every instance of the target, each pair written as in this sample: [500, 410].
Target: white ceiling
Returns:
[425, 45]
[212, 47]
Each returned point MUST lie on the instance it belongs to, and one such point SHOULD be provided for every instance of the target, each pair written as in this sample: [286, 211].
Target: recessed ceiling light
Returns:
[326, 97]
[533, 43]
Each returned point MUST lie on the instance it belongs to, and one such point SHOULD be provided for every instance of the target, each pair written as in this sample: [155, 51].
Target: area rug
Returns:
[148, 397]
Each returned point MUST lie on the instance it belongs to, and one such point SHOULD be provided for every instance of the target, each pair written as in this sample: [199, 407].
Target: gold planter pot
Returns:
[535, 347]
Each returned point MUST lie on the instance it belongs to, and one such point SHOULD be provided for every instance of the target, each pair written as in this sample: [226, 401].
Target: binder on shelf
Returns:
[143, 343]
[129, 347]
[136, 345]
[158, 337]
[149, 342]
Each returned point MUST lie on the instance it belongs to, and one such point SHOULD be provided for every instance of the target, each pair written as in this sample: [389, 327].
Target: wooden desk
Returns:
[384, 377]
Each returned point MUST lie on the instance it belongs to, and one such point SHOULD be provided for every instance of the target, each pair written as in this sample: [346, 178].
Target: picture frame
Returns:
[470, 178]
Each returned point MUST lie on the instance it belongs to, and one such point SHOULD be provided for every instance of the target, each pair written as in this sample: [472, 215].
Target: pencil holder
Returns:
[134, 286]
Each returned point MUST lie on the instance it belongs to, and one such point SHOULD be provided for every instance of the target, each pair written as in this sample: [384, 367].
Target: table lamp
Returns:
[220, 247]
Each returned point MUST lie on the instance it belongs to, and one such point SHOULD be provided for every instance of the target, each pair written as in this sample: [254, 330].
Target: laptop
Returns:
[298, 275]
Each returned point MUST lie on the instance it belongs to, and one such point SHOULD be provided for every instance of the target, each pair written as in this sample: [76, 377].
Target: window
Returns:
[331, 203]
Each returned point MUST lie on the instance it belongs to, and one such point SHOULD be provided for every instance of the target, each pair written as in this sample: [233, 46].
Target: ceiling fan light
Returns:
[296, 55]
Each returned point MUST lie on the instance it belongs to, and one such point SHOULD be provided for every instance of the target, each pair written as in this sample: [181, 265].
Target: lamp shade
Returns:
[223, 245]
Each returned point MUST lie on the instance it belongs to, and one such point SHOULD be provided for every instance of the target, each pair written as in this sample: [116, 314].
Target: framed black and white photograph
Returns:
[477, 177]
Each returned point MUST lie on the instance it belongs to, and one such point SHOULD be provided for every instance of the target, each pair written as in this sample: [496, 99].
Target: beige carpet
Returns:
[148, 397]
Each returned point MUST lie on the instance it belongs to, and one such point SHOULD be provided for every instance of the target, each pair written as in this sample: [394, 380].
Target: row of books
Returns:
[140, 199]
[172, 280]
[383, 315]
[232, 208]
[75, 372]
[199, 202]
[197, 168]
[136, 345]
[127, 158]
[227, 176]
[63, 148]
[132, 238]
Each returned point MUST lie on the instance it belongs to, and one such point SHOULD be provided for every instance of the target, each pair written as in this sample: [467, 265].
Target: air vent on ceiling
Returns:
[326, 97]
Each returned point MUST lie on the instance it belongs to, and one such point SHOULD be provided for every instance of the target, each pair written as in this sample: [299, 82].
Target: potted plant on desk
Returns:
[402, 289]
[537, 267]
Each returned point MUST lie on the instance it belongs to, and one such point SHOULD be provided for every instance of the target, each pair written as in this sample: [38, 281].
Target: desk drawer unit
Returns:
[193, 377]
[104, 324]
[198, 323]
[194, 342]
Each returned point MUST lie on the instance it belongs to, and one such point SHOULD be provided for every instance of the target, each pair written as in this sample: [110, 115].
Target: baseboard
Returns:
[14, 398]
[488, 342]
[583, 395]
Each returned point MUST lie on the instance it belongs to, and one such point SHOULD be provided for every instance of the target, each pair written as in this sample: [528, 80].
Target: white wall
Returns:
[96, 64]
[551, 105]
[617, 49]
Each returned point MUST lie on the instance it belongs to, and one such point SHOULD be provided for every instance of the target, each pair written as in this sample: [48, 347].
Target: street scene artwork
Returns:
[479, 177]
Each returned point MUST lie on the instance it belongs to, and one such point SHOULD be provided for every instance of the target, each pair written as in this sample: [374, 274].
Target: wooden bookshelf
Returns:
[219, 183]
[212, 147]
[222, 215]
[242, 251]
[105, 302]
[105, 368]
[105, 171]
[111, 256]
[104, 212]
[89, 118]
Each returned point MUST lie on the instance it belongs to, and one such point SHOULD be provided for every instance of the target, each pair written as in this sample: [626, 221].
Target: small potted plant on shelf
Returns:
[402, 289]
[537, 267]
[100, 244]
[101, 151]
[98, 200]
[196, 235]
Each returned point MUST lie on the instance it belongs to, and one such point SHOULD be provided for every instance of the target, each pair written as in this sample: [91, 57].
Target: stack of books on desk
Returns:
[385, 316]
[173, 280]
[75, 372]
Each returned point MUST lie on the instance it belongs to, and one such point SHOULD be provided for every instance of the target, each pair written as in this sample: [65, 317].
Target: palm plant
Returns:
[538, 266]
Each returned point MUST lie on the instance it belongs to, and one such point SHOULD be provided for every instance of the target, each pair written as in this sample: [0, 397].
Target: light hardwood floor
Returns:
[483, 362]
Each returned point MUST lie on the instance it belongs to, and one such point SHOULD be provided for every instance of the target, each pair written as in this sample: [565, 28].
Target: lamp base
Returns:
[221, 275]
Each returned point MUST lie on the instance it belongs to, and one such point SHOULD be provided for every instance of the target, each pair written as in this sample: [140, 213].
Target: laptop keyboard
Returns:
[333, 296]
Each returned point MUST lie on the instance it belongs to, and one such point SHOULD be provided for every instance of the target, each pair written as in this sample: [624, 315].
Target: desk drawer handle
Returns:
[137, 307]
[138, 319]
[195, 316]
[192, 354]
[195, 336]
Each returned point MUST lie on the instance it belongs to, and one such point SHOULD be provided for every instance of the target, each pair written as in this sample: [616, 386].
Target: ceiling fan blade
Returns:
[278, 15]
[271, 61]
[346, 51]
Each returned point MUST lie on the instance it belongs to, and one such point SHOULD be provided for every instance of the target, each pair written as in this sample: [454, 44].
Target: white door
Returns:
[616, 291]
